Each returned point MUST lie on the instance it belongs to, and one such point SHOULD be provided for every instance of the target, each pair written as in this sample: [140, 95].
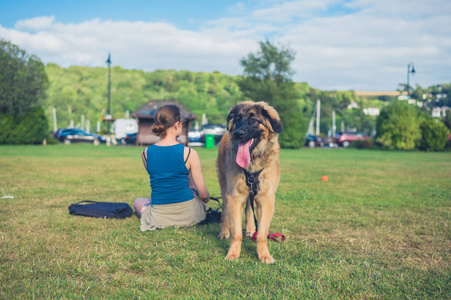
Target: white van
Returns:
[122, 127]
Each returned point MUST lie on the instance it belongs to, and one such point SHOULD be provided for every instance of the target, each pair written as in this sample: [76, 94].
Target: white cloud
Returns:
[365, 45]
[286, 11]
[35, 24]
[140, 45]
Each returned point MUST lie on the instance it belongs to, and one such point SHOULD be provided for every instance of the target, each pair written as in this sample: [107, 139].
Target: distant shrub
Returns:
[362, 144]
[294, 129]
[7, 125]
[398, 126]
[103, 132]
[434, 135]
[32, 128]
[447, 119]
[448, 145]
[355, 144]
[51, 140]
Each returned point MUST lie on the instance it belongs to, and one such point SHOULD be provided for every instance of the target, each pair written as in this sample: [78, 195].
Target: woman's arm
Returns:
[196, 176]
[192, 185]
[144, 158]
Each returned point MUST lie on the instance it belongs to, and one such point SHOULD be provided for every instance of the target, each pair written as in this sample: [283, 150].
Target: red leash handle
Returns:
[271, 236]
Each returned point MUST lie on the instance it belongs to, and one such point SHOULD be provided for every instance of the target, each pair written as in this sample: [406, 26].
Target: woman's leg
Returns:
[139, 204]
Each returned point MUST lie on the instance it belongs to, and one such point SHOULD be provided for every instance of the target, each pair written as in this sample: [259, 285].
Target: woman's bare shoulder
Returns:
[194, 152]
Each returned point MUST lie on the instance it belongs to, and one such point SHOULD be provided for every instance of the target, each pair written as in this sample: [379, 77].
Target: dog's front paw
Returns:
[223, 235]
[267, 259]
[232, 256]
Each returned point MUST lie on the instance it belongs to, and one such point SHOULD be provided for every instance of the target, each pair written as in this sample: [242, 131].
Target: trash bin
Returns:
[209, 141]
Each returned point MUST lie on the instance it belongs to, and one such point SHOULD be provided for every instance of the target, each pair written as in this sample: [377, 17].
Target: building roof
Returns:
[148, 110]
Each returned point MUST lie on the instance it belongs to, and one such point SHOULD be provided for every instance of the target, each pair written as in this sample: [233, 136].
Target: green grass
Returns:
[379, 228]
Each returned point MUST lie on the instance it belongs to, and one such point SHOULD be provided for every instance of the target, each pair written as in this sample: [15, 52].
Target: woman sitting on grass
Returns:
[179, 194]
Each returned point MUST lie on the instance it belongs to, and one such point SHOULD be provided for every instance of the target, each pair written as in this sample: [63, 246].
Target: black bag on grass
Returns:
[213, 215]
[108, 210]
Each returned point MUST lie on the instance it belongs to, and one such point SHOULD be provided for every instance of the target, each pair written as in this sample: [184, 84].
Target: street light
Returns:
[410, 70]
[108, 116]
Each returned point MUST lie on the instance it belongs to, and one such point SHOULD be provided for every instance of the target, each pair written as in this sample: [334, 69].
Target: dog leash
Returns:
[252, 182]
[216, 199]
[272, 236]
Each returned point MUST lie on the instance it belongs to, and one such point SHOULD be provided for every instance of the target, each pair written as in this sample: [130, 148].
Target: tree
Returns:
[447, 119]
[446, 95]
[417, 93]
[23, 80]
[398, 126]
[23, 83]
[434, 135]
[267, 77]
[270, 63]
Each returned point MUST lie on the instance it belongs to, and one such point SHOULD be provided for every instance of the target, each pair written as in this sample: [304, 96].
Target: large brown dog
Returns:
[249, 148]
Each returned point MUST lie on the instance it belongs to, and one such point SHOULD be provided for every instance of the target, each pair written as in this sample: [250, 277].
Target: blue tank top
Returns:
[168, 174]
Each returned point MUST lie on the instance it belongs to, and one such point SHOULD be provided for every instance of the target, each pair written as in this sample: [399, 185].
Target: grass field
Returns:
[379, 228]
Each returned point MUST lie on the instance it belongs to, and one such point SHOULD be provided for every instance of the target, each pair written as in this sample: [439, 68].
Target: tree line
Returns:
[26, 86]
[77, 91]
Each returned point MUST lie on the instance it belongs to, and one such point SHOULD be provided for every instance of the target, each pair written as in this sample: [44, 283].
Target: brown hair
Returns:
[165, 118]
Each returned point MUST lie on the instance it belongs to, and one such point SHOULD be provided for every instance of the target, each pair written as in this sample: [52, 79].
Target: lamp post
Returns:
[410, 70]
[108, 116]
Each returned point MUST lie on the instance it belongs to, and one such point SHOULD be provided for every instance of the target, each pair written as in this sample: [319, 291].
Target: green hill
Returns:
[77, 91]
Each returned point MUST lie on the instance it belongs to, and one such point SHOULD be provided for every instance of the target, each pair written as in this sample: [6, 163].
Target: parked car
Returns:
[129, 139]
[60, 131]
[77, 135]
[345, 139]
[217, 130]
[195, 136]
[313, 141]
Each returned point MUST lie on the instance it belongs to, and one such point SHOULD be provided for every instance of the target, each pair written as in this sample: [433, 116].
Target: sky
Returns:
[362, 45]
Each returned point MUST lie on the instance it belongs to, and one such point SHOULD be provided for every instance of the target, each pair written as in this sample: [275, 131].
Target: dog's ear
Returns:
[230, 117]
[273, 118]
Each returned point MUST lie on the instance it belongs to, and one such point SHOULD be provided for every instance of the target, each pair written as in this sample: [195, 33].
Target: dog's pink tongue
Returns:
[243, 157]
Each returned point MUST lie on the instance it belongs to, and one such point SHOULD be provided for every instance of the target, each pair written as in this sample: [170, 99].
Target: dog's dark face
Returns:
[251, 125]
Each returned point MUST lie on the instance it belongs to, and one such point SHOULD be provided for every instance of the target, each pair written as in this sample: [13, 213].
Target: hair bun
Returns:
[158, 129]
[165, 118]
